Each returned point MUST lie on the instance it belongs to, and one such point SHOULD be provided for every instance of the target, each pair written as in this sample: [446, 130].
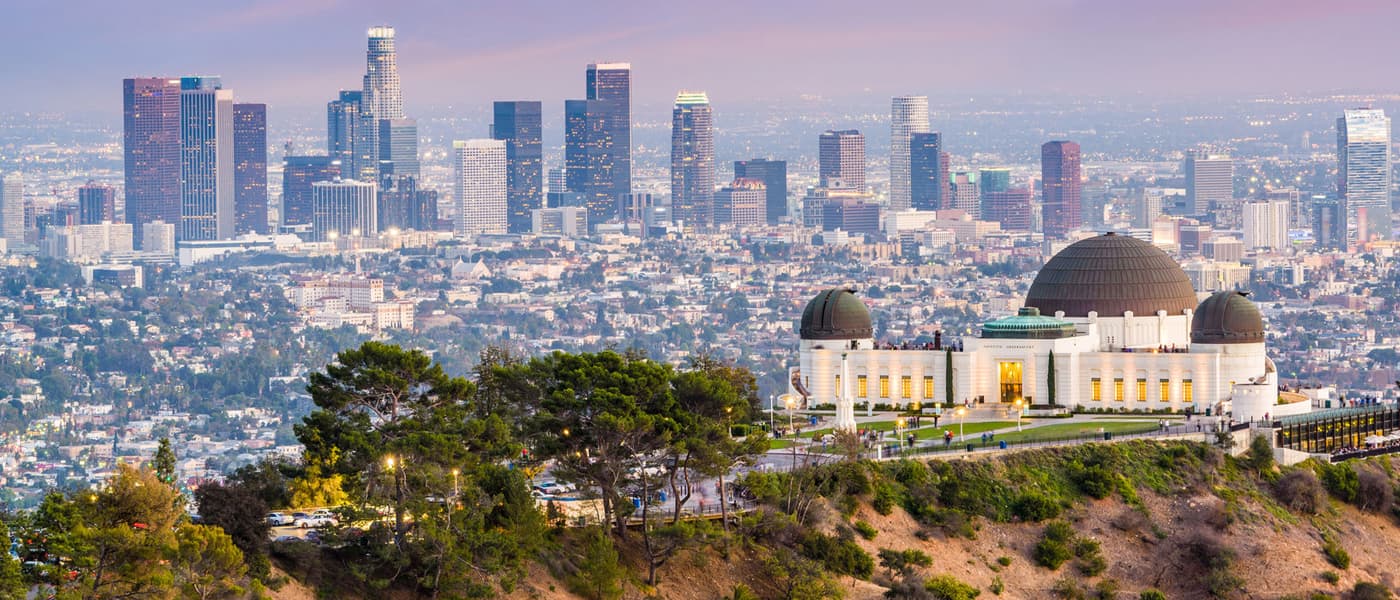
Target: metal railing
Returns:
[994, 444]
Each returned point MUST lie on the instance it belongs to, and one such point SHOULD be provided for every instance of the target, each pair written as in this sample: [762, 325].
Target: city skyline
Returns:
[1235, 50]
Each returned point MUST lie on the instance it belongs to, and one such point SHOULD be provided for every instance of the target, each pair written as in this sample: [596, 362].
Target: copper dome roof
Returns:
[836, 314]
[1227, 318]
[1111, 274]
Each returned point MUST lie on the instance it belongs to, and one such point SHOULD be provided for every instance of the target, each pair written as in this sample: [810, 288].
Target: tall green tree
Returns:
[11, 580]
[1050, 377]
[164, 463]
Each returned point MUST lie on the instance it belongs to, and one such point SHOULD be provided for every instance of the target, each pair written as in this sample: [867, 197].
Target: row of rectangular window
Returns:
[906, 386]
[1163, 390]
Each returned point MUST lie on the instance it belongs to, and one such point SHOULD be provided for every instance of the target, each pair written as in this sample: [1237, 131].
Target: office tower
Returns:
[1329, 223]
[965, 194]
[151, 149]
[12, 210]
[1153, 203]
[1193, 236]
[693, 160]
[1059, 176]
[928, 171]
[403, 206]
[206, 165]
[908, 115]
[598, 140]
[298, 173]
[398, 148]
[481, 187]
[381, 98]
[1363, 173]
[519, 125]
[852, 216]
[841, 156]
[558, 180]
[773, 174]
[566, 221]
[343, 128]
[632, 208]
[1298, 213]
[344, 208]
[1209, 182]
[1010, 207]
[741, 203]
[158, 236]
[96, 203]
[1266, 224]
[250, 168]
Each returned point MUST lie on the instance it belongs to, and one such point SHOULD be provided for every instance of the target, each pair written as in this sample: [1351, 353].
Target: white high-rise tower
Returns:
[481, 187]
[908, 115]
[12, 209]
[1363, 172]
[382, 97]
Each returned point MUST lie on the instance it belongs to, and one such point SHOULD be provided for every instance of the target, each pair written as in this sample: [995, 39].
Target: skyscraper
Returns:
[381, 98]
[344, 208]
[206, 165]
[1363, 173]
[693, 160]
[12, 210]
[298, 173]
[403, 206]
[598, 139]
[773, 174]
[841, 155]
[928, 171]
[741, 203]
[1010, 207]
[151, 149]
[1060, 177]
[518, 124]
[908, 115]
[398, 148]
[481, 187]
[994, 179]
[1266, 224]
[342, 128]
[1209, 182]
[250, 168]
[96, 203]
[965, 194]
[1329, 222]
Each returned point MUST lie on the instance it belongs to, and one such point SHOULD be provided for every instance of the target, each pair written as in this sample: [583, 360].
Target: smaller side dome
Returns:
[1227, 318]
[836, 314]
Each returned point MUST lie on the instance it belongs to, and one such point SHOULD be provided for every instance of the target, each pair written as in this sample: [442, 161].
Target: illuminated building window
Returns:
[928, 387]
[1186, 391]
[1142, 389]
[1095, 389]
[1117, 389]
[906, 387]
[861, 387]
[1164, 388]
[884, 386]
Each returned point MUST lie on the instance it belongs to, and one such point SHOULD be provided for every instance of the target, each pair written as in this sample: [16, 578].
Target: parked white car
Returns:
[278, 519]
[320, 518]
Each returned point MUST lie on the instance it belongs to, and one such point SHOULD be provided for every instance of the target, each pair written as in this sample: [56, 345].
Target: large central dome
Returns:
[1111, 274]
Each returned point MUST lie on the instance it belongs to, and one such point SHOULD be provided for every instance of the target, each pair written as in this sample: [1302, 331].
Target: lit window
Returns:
[928, 387]
[1186, 391]
[1095, 389]
[1117, 389]
[1164, 388]
[884, 386]
[1142, 389]
[906, 387]
[861, 387]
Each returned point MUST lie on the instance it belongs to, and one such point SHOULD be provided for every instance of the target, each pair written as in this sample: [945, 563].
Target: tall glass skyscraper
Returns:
[250, 168]
[398, 148]
[1210, 182]
[598, 139]
[519, 125]
[344, 208]
[773, 174]
[96, 203]
[1060, 177]
[841, 156]
[206, 165]
[151, 150]
[12, 210]
[381, 98]
[928, 172]
[342, 128]
[1363, 173]
[612, 83]
[298, 173]
[908, 115]
[693, 160]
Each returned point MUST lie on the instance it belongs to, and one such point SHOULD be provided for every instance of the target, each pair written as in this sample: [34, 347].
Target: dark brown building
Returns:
[1060, 176]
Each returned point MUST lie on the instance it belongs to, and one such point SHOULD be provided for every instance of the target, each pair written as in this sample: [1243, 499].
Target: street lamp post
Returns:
[899, 431]
[791, 404]
[456, 491]
[961, 411]
[1019, 404]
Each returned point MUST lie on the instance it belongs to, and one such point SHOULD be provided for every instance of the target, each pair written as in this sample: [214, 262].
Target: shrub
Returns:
[1130, 520]
[1152, 594]
[1300, 491]
[1365, 590]
[1091, 561]
[1218, 560]
[1261, 454]
[1096, 480]
[903, 561]
[1106, 589]
[1336, 554]
[1034, 507]
[947, 587]
[1374, 491]
[997, 586]
[1340, 481]
[1067, 589]
[837, 555]
[1053, 549]
[866, 530]
[1331, 577]
[1004, 561]
[886, 496]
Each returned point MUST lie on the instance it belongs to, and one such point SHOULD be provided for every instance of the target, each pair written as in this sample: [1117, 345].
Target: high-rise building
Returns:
[250, 168]
[1299, 213]
[852, 216]
[481, 187]
[12, 210]
[344, 208]
[1363, 173]
[298, 173]
[381, 98]
[1153, 203]
[741, 203]
[398, 148]
[343, 128]
[928, 171]
[1266, 224]
[1010, 207]
[1329, 223]
[96, 203]
[908, 115]
[403, 206]
[773, 174]
[1210, 182]
[207, 165]
[598, 139]
[841, 156]
[693, 160]
[158, 236]
[994, 179]
[151, 149]
[519, 125]
[1060, 179]
[965, 194]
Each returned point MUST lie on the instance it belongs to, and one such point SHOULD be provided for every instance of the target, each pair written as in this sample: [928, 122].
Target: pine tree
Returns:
[948, 377]
[1050, 377]
[165, 462]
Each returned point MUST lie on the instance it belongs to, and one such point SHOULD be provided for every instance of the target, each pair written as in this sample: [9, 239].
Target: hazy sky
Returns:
[72, 55]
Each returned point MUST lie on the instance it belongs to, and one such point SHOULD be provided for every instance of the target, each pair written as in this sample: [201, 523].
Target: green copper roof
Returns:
[1028, 324]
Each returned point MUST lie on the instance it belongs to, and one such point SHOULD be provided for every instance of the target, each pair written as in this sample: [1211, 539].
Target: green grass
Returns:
[1064, 430]
[779, 444]
[967, 428]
